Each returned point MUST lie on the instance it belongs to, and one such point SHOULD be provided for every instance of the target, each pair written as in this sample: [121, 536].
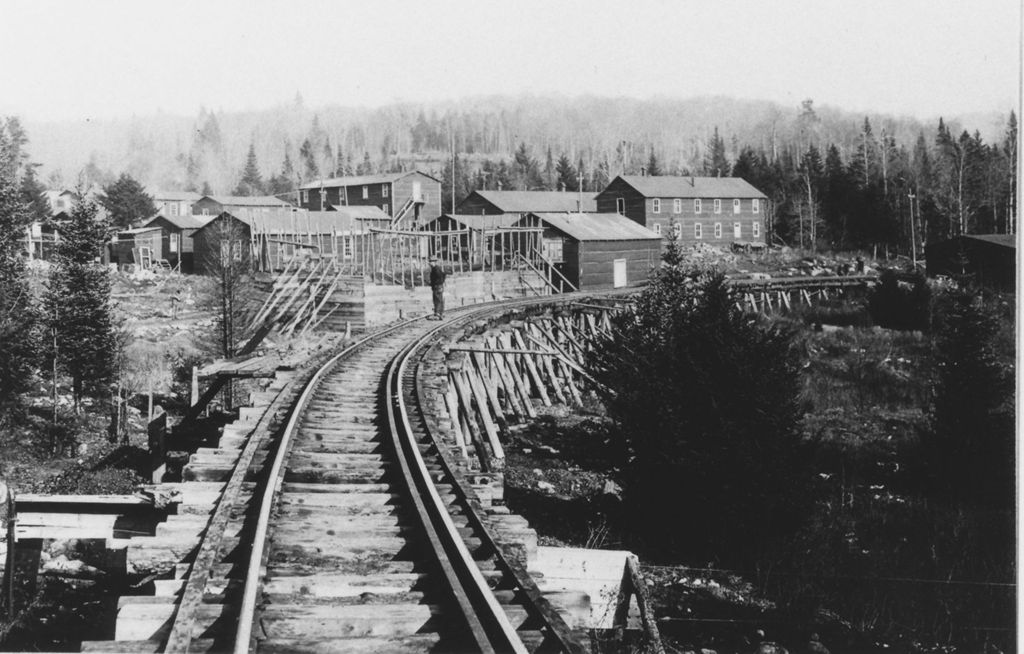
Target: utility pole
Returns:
[579, 205]
[913, 239]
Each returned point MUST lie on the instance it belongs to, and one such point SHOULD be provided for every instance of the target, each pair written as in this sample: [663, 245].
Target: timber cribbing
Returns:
[343, 526]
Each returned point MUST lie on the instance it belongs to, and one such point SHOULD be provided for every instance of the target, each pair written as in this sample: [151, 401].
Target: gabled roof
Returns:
[287, 222]
[181, 222]
[173, 196]
[597, 226]
[359, 180]
[665, 186]
[247, 201]
[527, 201]
[477, 221]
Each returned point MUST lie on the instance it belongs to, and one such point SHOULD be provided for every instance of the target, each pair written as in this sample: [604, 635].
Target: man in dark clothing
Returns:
[437, 276]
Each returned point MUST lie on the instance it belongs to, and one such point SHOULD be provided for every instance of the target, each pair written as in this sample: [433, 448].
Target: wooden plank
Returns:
[517, 382]
[505, 378]
[452, 404]
[466, 403]
[531, 368]
[488, 386]
[476, 386]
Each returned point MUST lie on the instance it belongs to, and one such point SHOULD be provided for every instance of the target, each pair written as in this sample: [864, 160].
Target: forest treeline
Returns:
[837, 180]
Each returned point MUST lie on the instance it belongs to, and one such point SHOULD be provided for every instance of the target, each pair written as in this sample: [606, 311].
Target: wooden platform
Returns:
[568, 571]
[256, 367]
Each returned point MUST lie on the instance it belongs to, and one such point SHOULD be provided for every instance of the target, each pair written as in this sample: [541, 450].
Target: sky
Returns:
[112, 58]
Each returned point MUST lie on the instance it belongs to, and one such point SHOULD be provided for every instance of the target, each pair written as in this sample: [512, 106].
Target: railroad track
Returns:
[349, 529]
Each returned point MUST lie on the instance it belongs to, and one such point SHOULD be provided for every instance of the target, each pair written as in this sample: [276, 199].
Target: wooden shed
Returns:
[597, 250]
[176, 238]
[987, 259]
[140, 246]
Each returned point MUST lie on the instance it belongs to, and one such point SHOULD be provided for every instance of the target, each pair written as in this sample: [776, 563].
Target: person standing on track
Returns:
[437, 277]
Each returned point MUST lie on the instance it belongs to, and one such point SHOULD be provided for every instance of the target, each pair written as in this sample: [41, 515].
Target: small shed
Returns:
[176, 237]
[987, 259]
[141, 246]
[597, 250]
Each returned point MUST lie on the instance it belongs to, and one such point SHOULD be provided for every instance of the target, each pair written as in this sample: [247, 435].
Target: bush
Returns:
[897, 304]
[706, 400]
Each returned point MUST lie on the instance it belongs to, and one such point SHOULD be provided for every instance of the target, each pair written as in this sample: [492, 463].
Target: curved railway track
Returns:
[362, 534]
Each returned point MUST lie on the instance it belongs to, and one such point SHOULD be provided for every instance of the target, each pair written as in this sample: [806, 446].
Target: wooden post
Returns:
[9, 516]
[194, 392]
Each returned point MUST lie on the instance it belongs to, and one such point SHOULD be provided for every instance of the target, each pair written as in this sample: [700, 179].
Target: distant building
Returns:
[174, 203]
[716, 210]
[597, 250]
[409, 198]
[141, 246]
[62, 202]
[176, 237]
[524, 202]
[986, 259]
[214, 205]
[269, 239]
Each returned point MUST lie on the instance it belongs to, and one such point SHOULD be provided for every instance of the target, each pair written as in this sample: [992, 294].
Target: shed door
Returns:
[619, 273]
[417, 192]
[737, 230]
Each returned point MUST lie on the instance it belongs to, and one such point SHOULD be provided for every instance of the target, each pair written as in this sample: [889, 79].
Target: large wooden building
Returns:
[409, 198]
[493, 203]
[716, 210]
[268, 240]
[214, 205]
[174, 203]
[597, 250]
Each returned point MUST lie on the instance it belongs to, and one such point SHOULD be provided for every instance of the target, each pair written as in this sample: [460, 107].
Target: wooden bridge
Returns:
[357, 505]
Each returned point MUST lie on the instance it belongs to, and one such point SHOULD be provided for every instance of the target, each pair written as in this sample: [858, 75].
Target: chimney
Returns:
[643, 171]
[692, 183]
[499, 184]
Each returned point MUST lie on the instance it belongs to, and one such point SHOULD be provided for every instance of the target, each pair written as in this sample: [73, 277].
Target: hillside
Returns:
[175, 152]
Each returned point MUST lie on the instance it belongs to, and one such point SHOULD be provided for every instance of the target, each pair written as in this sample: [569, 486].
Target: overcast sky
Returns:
[106, 58]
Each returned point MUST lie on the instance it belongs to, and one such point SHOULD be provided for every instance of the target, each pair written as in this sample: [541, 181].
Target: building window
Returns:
[718, 206]
[346, 247]
[677, 206]
[757, 229]
[384, 190]
[174, 208]
[366, 192]
[737, 230]
[657, 205]
[553, 250]
[305, 197]
[735, 206]
[698, 231]
[206, 212]
[657, 228]
[384, 208]
[620, 206]
[718, 230]
[756, 204]
[236, 251]
[696, 206]
[677, 230]
[173, 244]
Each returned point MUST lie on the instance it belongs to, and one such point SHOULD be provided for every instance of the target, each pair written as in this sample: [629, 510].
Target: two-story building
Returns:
[214, 205]
[493, 203]
[716, 210]
[410, 198]
[171, 204]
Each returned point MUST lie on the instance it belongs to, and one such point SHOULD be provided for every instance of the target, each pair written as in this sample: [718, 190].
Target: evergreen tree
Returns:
[78, 303]
[251, 182]
[705, 400]
[550, 176]
[1010, 152]
[33, 195]
[716, 164]
[19, 327]
[653, 167]
[566, 175]
[127, 202]
[310, 169]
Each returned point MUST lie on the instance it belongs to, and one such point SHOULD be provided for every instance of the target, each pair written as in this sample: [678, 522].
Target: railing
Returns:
[544, 272]
[633, 584]
[401, 212]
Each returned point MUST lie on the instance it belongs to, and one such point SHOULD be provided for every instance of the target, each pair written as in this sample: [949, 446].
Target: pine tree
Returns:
[653, 167]
[251, 182]
[716, 164]
[19, 327]
[550, 177]
[566, 175]
[1010, 152]
[127, 202]
[78, 303]
[33, 195]
[310, 169]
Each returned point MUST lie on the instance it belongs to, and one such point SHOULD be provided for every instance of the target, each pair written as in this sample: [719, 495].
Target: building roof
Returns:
[181, 222]
[665, 186]
[597, 226]
[247, 200]
[1006, 240]
[138, 230]
[361, 212]
[174, 196]
[288, 222]
[359, 180]
[527, 201]
[477, 221]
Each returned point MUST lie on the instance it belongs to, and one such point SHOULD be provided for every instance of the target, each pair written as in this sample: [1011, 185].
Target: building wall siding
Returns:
[431, 192]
